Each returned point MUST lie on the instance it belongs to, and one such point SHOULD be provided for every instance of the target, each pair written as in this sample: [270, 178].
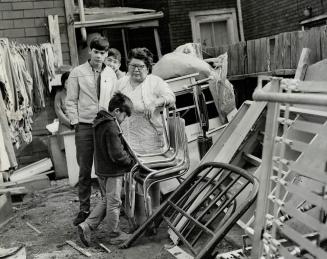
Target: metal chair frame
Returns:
[205, 204]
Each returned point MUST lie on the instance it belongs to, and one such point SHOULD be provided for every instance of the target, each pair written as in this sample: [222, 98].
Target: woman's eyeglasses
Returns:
[139, 67]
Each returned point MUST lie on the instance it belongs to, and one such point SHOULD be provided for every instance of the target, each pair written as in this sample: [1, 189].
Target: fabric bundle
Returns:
[25, 72]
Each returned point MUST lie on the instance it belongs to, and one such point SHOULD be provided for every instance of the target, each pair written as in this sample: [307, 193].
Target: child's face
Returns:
[120, 116]
[112, 62]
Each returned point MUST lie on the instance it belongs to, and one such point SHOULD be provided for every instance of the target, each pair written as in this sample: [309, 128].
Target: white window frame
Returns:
[226, 14]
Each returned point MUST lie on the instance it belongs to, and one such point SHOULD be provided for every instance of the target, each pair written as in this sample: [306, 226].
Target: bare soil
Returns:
[52, 211]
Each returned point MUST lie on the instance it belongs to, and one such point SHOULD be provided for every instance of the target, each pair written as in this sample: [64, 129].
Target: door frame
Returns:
[225, 14]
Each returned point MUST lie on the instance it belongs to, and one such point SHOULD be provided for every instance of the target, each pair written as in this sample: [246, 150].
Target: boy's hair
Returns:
[99, 43]
[114, 53]
[64, 77]
[122, 102]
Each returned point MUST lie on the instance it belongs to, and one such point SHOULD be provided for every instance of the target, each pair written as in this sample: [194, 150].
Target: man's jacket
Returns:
[110, 156]
[82, 100]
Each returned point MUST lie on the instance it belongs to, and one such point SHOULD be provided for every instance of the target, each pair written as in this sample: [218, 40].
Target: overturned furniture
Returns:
[204, 208]
[292, 186]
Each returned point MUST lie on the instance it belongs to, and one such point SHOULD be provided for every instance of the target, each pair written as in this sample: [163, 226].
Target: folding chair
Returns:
[204, 207]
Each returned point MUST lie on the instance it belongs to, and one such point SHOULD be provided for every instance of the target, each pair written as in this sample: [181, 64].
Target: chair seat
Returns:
[140, 175]
[168, 156]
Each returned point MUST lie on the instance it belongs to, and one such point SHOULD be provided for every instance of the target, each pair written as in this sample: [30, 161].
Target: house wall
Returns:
[135, 36]
[26, 21]
[263, 18]
[180, 23]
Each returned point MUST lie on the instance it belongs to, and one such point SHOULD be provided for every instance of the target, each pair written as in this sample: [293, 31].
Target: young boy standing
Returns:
[114, 61]
[111, 162]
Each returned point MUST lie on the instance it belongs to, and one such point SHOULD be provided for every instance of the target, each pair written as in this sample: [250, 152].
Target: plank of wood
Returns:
[286, 50]
[323, 42]
[279, 51]
[157, 41]
[37, 168]
[6, 211]
[273, 53]
[13, 190]
[258, 56]
[264, 43]
[34, 228]
[264, 177]
[303, 64]
[242, 68]
[233, 50]
[3, 224]
[69, 10]
[105, 248]
[78, 248]
[251, 56]
[295, 52]
[55, 39]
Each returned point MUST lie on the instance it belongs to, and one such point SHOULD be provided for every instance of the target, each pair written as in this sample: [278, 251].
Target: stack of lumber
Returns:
[28, 179]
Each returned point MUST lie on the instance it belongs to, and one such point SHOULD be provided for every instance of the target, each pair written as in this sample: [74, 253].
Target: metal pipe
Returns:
[292, 98]
[82, 19]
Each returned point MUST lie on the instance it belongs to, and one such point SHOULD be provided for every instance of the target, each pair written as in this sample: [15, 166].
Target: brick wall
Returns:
[26, 21]
[263, 18]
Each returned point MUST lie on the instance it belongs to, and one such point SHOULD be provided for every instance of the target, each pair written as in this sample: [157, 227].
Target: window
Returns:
[214, 27]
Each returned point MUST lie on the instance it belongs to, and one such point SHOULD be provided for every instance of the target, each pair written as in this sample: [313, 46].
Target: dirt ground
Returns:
[52, 210]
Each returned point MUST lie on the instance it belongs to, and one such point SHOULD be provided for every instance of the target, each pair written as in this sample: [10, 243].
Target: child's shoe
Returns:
[84, 233]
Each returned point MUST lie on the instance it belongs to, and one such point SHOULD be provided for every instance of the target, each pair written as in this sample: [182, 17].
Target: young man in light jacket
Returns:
[90, 87]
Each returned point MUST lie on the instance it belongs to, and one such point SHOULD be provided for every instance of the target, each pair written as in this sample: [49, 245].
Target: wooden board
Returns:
[70, 151]
[257, 55]
[286, 50]
[323, 42]
[55, 39]
[6, 211]
[295, 51]
[251, 56]
[71, 33]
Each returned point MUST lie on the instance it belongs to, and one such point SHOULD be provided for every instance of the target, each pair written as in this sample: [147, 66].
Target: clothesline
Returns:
[25, 73]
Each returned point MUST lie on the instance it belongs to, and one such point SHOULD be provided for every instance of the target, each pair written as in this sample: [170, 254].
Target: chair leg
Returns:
[153, 220]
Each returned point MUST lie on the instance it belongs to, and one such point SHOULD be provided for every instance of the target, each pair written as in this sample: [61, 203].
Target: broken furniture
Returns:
[203, 208]
[290, 187]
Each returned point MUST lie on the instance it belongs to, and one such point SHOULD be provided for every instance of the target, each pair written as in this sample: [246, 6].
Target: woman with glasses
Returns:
[144, 129]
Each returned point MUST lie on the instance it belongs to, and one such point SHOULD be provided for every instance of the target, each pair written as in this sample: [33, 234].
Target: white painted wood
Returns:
[31, 170]
[70, 151]
[227, 14]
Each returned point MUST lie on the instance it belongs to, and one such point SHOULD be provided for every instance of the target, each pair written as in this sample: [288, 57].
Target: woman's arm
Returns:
[165, 95]
[61, 115]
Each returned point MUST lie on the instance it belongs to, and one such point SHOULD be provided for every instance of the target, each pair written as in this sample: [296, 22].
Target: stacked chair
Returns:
[204, 208]
[172, 162]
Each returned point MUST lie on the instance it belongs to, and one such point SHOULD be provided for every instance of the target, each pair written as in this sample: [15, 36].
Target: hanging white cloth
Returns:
[4, 159]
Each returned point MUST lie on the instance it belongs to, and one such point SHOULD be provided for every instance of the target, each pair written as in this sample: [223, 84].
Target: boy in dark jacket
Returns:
[111, 162]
